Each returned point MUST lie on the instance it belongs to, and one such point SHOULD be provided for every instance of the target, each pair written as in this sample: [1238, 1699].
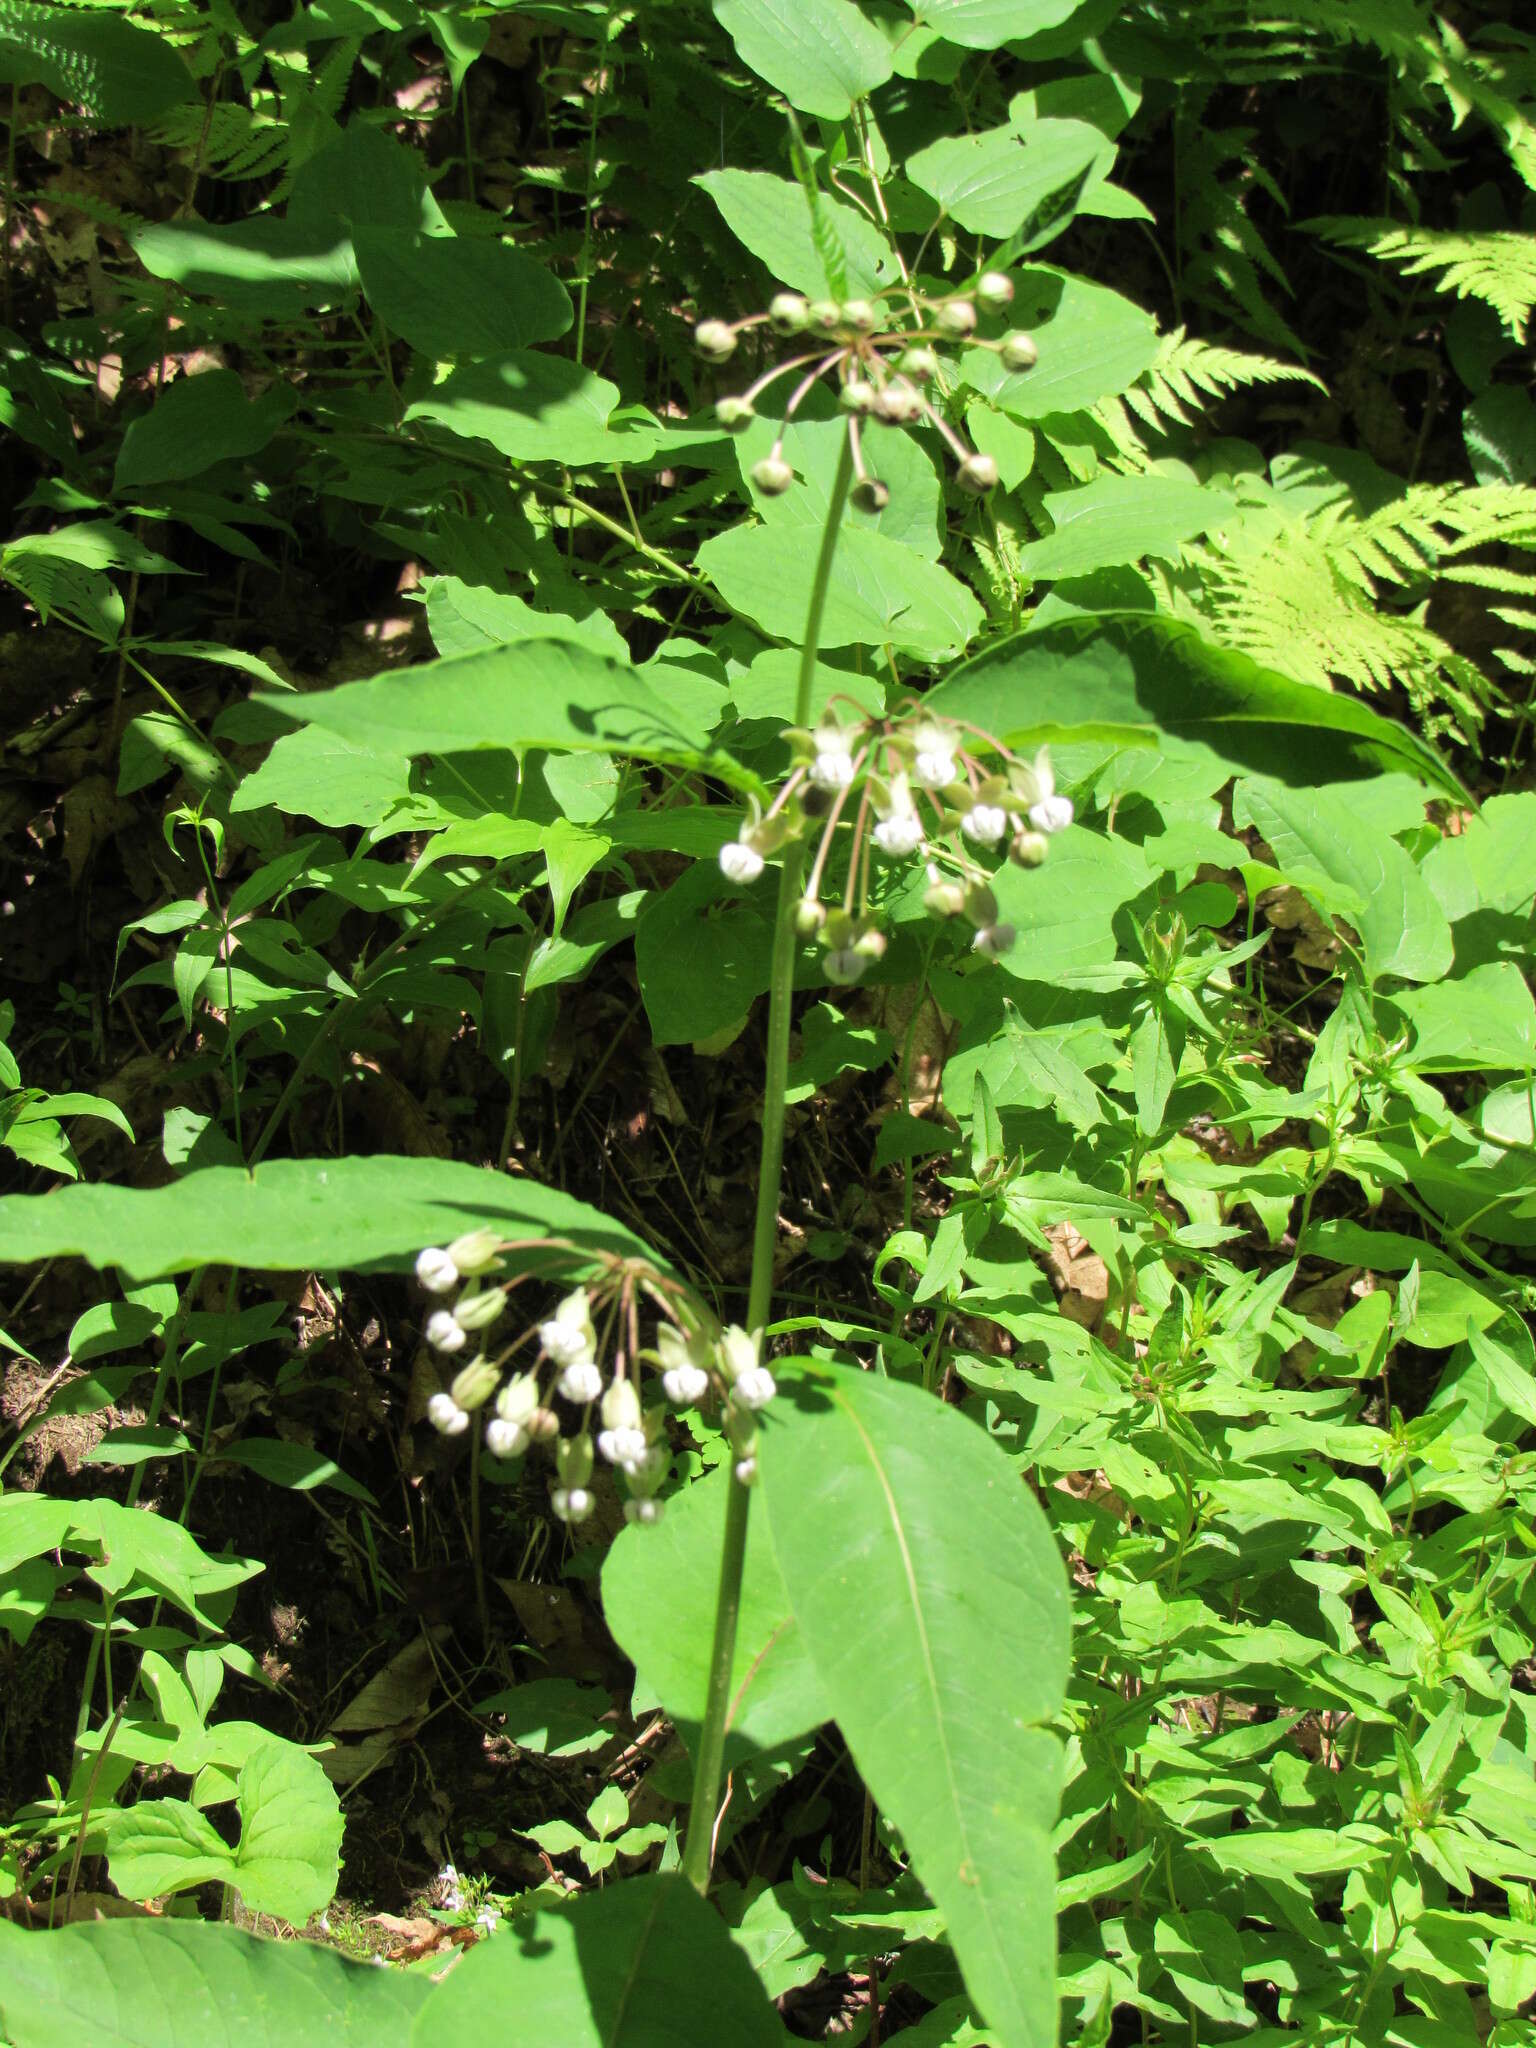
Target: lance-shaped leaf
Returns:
[289, 1215]
[934, 1607]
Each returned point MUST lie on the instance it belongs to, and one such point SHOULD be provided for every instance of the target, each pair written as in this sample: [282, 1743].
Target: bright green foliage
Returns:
[460, 702]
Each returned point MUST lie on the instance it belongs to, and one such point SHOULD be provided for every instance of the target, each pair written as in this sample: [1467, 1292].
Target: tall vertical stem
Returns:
[698, 1852]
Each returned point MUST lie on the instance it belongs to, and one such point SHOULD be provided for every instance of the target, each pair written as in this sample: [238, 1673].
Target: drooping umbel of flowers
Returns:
[884, 359]
[891, 790]
[586, 1386]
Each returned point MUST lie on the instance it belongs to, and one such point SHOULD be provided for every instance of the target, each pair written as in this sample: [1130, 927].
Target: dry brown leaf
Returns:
[1079, 1276]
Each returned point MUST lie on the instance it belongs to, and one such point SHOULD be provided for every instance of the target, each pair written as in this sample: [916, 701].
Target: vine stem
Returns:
[698, 1851]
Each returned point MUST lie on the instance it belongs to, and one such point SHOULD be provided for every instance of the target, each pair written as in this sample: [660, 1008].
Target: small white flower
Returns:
[740, 862]
[832, 763]
[645, 1511]
[647, 1472]
[934, 768]
[443, 1333]
[736, 1351]
[985, 823]
[1052, 813]
[435, 1271]
[685, 1385]
[621, 1446]
[994, 940]
[844, 965]
[505, 1439]
[753, 1388]
[900, 834]
[488, 1918]
[446, 1416]
[581, 1381]
[568, 1336]
[449, 1891]
[746, 1471]
[571, 1503]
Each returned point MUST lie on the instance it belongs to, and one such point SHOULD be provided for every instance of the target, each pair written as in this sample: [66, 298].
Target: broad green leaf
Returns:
[1117, 519]
[265, 263]
[910, 1547]
[821, 54]
[1491, 863]
[642, 1964]
[771, 217]
[880, 592]
[1129, 670]
[449, 295]
[1483, 1019]
[1202, 1954]
[93, 59]
[287, 1857]
[812, 448]
[166, 1983]
[324, 775]
[466, 618]
[553, 1716]
[991, 182]
[1063, 911]
[702, 955]
[31, 1524]
[659, 1587]
[1314, 834]
[1092, 343]
[291, 1215]
[533, 693]
[986, 24]
[533, 408]
[195, 423]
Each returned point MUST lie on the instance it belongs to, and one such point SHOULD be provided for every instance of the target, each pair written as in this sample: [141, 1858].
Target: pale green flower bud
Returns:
[870, 495]
[518, 1399]
[773, 476]
[715, 340]
[479, 1311]
[788, 312]
[978, 475]
[735, 1351]
[1018, 352]
[475, 1252]
[573, 1459]
[735, 413]
[825, 315]
[994, 291]
[860, 315]
[956, 317]
[474, 1386]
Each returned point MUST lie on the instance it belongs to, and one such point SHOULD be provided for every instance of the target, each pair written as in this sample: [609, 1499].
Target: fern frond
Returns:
[236, 142]
[1499, 268]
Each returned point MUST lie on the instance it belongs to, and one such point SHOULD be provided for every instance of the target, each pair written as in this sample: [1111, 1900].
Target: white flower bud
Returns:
[934, 768]
[753, 1388]
[1053, 813]
[740, 862]
[735, 413]
[984, 824]
[644, 1510]
[994, 291]
[956, 317]
[788, 312]
[581, 1382]
[644, 1474]
[899, 403]
[623, 1447]
[746, 1470]
[825, 315]
[446, 1416]
[1018, 352]
[568, 1334]
[860, 315]
[443, 1332]
[899, 835]
[435, 1270]
[858, 396]
[831, 758]
[685, 1385]
[920, 364]
[571, 1503]
[736, 1351]
[505, 1439]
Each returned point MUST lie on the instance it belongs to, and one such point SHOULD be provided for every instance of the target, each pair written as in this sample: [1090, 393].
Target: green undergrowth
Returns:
[767, 1075]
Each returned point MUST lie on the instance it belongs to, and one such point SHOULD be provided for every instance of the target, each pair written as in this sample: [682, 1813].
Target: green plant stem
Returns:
[698, 1851]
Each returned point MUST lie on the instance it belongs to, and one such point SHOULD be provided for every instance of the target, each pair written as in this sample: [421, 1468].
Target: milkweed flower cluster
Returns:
[884, 356]
[588, 1389]
[899, 789]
